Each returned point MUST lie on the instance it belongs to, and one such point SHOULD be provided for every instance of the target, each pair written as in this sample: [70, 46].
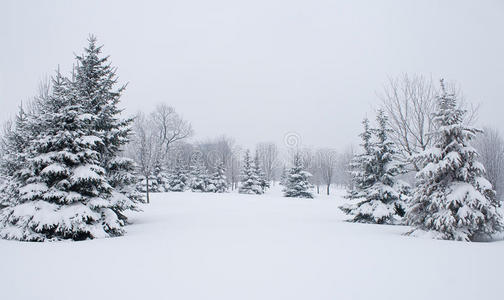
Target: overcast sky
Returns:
[256, 70]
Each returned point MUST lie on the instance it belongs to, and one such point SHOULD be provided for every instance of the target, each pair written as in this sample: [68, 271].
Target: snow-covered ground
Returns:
[237, 247]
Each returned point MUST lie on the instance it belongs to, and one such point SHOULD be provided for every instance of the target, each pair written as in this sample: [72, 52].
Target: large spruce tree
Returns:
[95, 83]
[73, 184]
[378, 192]
[452, 199]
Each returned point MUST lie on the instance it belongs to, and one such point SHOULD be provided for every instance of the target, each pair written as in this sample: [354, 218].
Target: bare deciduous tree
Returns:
[230, 155]
[170, 127]
[410, 102]
[343, 176]
[153, 138]
[235, 166]
[490, 146]
[326, 162]
[145, 147]
[268, 157]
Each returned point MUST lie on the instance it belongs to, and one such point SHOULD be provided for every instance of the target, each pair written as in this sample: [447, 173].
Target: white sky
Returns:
[256, 70]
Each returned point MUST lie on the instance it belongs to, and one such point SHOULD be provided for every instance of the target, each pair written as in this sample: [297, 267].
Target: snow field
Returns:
[233, 246]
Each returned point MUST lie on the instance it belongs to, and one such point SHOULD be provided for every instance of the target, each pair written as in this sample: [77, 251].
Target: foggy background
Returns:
[256, 70]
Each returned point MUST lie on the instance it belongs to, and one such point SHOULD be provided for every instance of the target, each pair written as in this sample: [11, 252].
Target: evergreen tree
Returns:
[263, 181]
[199, 175]
[63, 193]
[123, 179]
[73, 183]
[160, 180]
[361, 166]
[219, 181]
[298, 184]
[13, 145]
[178, 178]
[250, 183]
[452, 199]
[141, 185]
[379, 192]
[153, 184]
[94, 84]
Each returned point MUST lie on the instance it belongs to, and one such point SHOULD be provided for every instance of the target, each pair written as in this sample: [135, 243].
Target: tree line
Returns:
[72, 164]
[161, 146]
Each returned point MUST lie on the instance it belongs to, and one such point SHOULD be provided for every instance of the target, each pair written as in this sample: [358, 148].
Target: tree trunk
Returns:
[328, 189]
[318, 189]
[147, 188]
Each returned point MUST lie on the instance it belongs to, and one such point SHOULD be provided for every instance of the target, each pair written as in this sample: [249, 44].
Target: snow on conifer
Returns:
[452, 200]
[64, 192]
[13, 149]
[178, 177]
[94, 83]
[198, 175]
[297, 182]
[73, 184]
[218, 182]
[123, 178]
[362, 167]
[263, 181]
[250, 183]
[143, 184]
[161, 179]
[379, 195]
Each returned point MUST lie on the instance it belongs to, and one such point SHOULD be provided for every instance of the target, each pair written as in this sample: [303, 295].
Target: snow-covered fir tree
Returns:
[95, 84]
[199, 175]
[178, 177]
[452, 199]
[298, 180]
[218, 183]
[63, 190]
[13, 149]
[123, 179]
[263, 181]
[361, 166]
[143, 184]
[250, 183]
[161, 180]
[380, 194]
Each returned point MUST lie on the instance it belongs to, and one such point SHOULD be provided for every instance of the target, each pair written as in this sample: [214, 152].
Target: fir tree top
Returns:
[95, 83]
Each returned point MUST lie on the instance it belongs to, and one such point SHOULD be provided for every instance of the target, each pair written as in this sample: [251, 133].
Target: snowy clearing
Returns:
[231, 246]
